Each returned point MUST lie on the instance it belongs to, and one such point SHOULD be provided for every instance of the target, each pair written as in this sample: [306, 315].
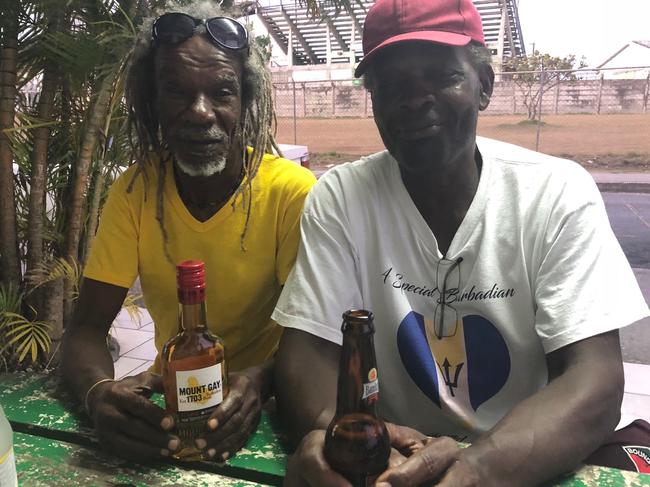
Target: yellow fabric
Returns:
[242, 286]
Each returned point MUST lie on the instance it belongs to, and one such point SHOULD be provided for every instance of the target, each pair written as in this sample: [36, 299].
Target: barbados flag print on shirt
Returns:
[459, 371]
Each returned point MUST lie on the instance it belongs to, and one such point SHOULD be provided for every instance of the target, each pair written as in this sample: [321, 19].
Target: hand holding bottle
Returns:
[236, 418]
[127, 423]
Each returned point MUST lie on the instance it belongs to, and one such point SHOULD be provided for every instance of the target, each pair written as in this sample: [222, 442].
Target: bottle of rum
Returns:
[193, 363]
[356, 442]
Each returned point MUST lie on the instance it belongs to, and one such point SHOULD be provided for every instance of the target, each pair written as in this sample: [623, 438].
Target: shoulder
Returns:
[352, 183]
[534, 172]
[136, 179]
[281, 175]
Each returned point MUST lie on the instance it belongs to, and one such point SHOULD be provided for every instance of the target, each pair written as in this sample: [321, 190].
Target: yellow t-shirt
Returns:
[242, 285]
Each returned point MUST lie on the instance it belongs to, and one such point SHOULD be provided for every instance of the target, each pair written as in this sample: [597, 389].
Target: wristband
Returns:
[90, 389]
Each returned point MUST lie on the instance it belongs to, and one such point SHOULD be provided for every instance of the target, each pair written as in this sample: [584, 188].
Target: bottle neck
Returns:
[357, 387]
[192, 316]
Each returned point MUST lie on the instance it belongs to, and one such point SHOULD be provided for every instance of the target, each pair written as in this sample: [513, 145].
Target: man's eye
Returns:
[223, 92]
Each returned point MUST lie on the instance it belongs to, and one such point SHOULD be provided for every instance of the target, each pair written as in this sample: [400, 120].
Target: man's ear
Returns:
[486, 78]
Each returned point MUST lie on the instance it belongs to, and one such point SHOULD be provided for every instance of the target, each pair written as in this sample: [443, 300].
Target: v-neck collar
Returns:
[171, 192]
[420, 226]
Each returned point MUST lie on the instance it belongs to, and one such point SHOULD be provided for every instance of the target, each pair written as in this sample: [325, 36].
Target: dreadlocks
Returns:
[257, 116]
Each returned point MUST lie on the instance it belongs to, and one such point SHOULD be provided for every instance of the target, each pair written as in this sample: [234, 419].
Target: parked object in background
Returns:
[296, 153]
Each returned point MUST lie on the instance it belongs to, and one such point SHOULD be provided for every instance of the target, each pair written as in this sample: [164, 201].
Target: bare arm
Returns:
[85, 358]
[552, 431]
[126, 421]
[306, 373]
[542, 437]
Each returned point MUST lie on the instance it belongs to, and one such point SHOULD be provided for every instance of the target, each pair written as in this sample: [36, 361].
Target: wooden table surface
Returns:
[55, 445]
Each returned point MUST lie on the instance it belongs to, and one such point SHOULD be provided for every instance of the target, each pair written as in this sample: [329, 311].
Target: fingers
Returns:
[231, 436]
[406, 440]
[425, 465]
[396, 458]
[308, 467]
[233, 421]
[128, 438]
[155, 381]
[141, 407]
[241, 391]
[131, 425]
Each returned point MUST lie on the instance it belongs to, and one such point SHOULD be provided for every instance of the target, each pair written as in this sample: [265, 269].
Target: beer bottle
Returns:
[357, 443]
[193, 363]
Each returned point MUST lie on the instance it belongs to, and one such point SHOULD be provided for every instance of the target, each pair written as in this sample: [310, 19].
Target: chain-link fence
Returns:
[573, 113]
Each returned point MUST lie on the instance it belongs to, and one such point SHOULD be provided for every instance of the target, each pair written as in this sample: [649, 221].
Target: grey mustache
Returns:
[210, 134]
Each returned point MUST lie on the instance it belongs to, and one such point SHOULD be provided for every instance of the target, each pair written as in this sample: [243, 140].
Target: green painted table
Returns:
[52, 436]
[45, 462]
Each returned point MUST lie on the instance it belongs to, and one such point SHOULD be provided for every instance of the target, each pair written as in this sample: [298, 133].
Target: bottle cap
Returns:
[190, 278]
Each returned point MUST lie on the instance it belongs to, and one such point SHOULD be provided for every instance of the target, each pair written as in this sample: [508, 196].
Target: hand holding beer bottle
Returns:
[356, 447]
[356, 442]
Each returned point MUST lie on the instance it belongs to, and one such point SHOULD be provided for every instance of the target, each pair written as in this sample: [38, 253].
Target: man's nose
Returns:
[414, 100]
[201, 111]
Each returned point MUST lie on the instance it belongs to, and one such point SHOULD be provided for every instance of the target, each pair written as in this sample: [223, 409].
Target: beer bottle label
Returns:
[199, 389]
[371, 388]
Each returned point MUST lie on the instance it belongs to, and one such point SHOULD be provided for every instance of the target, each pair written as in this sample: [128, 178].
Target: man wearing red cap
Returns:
[497, 285]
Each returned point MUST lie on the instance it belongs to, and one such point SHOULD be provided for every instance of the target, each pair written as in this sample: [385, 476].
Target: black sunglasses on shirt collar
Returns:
[175, 27]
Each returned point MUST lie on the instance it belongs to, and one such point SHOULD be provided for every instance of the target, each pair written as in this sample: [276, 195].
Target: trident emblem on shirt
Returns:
[446, 374]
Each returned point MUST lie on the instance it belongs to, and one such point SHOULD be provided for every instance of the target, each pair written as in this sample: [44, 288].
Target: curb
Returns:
[624, 187]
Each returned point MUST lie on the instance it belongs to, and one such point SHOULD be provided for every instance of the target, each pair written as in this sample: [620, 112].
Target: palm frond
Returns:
[53, 270]
[131, 306]
[23, 335]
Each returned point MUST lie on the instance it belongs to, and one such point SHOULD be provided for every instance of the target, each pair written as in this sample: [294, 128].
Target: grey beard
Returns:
[211, 168]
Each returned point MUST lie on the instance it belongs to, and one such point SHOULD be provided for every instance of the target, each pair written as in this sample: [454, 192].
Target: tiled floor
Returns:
[137, 352]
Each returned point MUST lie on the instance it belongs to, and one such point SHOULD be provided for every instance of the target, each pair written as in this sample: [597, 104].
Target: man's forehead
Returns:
[196, 52]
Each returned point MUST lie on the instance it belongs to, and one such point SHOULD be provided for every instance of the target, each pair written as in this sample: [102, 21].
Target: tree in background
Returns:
[534, 75]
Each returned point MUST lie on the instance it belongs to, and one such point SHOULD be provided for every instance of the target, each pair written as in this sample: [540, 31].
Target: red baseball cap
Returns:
[452, 22]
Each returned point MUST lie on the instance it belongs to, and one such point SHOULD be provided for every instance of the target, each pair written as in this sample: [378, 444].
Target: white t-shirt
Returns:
[533, 267]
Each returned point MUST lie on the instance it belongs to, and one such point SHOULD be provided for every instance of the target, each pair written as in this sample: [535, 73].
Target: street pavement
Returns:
[628, 207]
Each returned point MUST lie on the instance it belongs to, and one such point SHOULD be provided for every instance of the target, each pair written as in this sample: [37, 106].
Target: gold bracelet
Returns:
[101, 381]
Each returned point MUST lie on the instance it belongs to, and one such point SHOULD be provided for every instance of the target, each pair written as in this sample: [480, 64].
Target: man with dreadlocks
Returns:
[200, 109]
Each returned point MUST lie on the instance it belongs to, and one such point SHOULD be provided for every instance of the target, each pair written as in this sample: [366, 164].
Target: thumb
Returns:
[148, 383]
[156, 382]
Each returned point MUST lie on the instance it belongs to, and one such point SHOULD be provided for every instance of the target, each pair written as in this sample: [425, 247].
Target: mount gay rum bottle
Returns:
[193, 363]
[357, 443]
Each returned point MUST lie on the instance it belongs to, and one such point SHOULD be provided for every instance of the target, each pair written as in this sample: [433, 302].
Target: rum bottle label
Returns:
[199, 389]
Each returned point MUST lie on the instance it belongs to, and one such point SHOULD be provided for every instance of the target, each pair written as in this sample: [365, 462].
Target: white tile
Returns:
[124, 320]
[146, 351]
[148, 327]
[130, 339]
[145, 317]
[125, 365]
[143, 368]
[637, 378]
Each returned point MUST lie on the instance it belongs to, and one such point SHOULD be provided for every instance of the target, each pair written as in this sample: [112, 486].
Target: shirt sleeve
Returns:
[324, 282]
[114, 253]
[288, 235]
[584, 285]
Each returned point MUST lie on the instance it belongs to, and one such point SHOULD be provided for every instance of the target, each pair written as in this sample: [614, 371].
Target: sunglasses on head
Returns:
[176, 27]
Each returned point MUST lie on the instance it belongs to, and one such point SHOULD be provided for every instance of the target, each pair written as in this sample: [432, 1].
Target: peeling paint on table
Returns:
[37, 401]
[47, 463]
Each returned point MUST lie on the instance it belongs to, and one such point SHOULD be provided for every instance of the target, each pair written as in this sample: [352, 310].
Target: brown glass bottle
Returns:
[357, 443]
[193, 363]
